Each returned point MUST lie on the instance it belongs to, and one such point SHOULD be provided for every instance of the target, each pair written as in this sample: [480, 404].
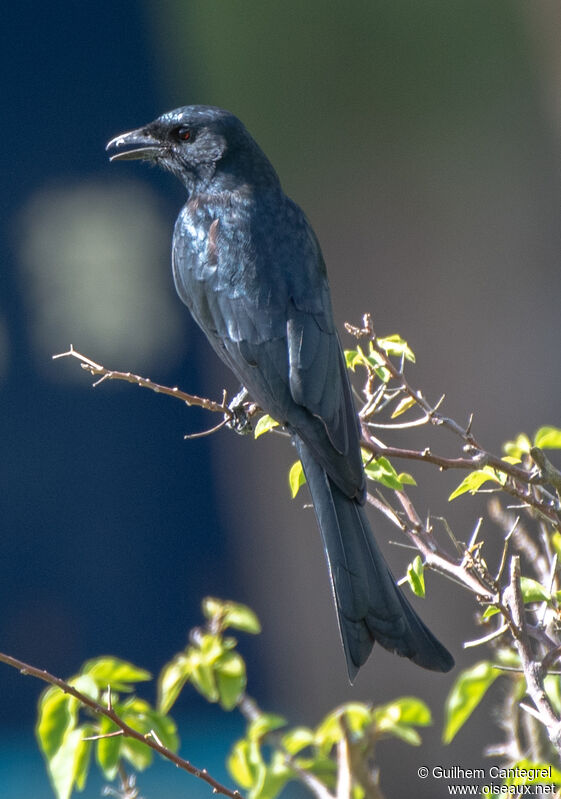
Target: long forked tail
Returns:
[370, 606]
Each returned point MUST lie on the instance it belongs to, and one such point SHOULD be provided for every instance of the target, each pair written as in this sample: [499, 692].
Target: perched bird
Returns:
[249, 267]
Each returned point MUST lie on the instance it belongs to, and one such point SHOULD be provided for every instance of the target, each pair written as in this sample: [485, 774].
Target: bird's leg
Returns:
[239, 420]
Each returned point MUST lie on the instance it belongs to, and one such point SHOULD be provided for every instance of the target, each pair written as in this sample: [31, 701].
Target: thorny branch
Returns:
[535, 484]
[150, 740]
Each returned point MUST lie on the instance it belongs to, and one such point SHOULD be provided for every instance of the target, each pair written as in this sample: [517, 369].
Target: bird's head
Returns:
[205, 147]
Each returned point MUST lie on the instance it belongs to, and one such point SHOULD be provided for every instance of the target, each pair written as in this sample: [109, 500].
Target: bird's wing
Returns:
[268, 315]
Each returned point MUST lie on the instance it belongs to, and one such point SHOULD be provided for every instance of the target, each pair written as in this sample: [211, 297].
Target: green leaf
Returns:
[275, 777]
[57, 717]
[532, 591]
[406, 479]
[119, 674]
[296, 478]
[395, 345]
[86, 684]
[329, 732]
[410, 710]
[172, 678]
[139, 754]
[202, 677]
[264, 424]
[265, 723]
[398, 718]
[474, 480]
[64, 766]
[164, 727]
[519, 447]
[230, 679]
[83, 757]
[490, 610]
[403, 405]
[297, 739]
[416, 577]
[240, 764]
[230, 614]
[548, 438]
[352, 359]
[556, 543]
[240, 617]
[467, 692]
[381, 470]
[108, 750]
[211, 647]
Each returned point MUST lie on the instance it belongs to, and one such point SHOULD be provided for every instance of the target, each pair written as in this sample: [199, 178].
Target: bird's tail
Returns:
[370, 606]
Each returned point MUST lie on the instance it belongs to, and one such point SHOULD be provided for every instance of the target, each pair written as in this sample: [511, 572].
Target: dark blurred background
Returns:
[423, 141]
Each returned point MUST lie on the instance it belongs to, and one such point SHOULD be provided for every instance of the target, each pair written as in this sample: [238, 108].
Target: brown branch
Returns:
[127, 731]
[97, 370]
[533, 669]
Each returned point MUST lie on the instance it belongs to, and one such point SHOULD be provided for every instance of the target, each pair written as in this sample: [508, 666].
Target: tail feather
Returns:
[370, 606]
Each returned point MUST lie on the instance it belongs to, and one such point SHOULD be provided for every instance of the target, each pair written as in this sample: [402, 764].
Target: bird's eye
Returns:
[182, 133]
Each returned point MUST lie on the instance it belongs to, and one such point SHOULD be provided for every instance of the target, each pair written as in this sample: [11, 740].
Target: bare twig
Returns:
[126, 730]
[97, 370]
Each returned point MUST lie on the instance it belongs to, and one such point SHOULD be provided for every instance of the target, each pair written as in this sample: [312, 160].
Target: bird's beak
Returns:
[144, 146]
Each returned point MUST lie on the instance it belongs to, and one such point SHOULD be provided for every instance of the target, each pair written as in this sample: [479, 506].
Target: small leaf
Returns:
[296, 478]
[264, 424]
[225, 613]
[202, 677]
[275, 777]
[416, 577]
[297, 739]
[556, 542]
[548, 438]
[119, 674]
[240, 766]
[266, 722]
[329, 732]
[230, 679]
[108, 750]
[532, 591]
[467, 692]
[65, 763]
[411, 711]
[395, 345]
[403, 405]
[357, 716]
[407, 479]
[519, 447]
[381, 470]
[474, 480]
[240, 617]
[83, 757]
[350, 356]
[139, 754]
[399, 718]
[172, 678]
[164, 727]
[490, 610]
[57, 716]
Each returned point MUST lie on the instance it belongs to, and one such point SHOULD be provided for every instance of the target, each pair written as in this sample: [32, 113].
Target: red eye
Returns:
[184, 134]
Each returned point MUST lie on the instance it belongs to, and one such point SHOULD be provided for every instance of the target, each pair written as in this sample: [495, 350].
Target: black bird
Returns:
[249, 267]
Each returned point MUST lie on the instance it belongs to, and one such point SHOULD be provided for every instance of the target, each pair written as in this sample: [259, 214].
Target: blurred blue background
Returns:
[423, 142]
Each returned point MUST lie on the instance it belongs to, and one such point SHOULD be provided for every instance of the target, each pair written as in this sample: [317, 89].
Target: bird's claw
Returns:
[239, 419]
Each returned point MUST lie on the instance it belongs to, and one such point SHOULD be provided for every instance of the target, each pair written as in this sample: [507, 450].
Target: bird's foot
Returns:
[239, 418]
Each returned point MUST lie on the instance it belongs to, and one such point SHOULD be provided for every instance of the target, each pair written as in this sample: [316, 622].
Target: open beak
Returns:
[144, 146]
